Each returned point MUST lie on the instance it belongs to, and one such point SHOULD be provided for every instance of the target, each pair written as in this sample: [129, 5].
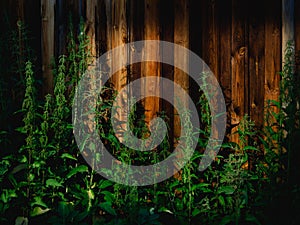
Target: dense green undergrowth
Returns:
[46, 181]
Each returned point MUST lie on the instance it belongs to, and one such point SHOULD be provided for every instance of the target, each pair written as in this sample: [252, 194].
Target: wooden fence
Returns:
[241, 41]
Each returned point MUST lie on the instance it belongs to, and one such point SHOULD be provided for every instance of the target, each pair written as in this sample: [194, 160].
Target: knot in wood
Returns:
[242, 51]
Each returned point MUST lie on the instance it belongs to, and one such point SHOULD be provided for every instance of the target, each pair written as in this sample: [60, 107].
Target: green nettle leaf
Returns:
[79, 169]
[221, 200]
[107, 206]
[38, 211]
[108, 196]
[19, 168]
[105, 183]
[53, 183]
[38, 201]
[68, 156]
[196, 212]
[228, 190]
[250, 148]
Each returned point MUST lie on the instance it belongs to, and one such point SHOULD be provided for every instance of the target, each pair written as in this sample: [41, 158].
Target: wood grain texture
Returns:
[20, 10]
[47, 15]
[151, 32]
[210, 35]
[120, 58]
[239, 53]
[167, 34]
[101, 28]
[224, 58]
[181, 37]
[91, 25]
[136, 33]
[241, 41]
[256, 50]
[272, 50]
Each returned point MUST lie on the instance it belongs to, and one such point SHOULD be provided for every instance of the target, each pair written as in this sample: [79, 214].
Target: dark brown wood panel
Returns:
[224, 73]
[151, 32]
[272, 51]
[239, 51]
[167, 34]
[181, 37]
[48, 37]
[241, 41]
[256, 57]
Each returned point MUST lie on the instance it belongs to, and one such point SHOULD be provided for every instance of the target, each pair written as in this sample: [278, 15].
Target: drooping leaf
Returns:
[78, 169]
[38, 211]
[252, 148]
[68, 156]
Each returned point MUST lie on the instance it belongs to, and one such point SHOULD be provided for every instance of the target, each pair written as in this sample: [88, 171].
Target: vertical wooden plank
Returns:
[238, 58]
[210, 35]
[287, 24]
[181, 37]
[33, 21]
[195, 22]
[272, 51]
[101, 28]
[256, 60]
[108, 8]
[136, 33]
[20, 10]
[152, 32]
[47, 12]
[120, 38]
[224, 19]
[167, 34]
[90, 26]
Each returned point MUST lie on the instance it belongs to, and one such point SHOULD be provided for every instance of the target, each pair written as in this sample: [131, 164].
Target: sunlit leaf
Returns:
[53, 183]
